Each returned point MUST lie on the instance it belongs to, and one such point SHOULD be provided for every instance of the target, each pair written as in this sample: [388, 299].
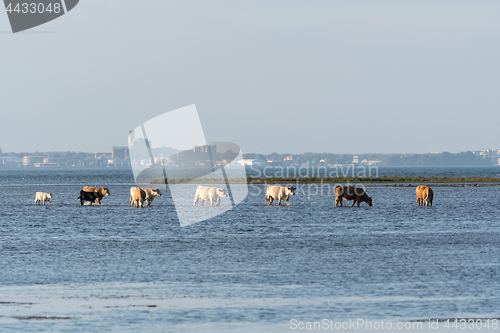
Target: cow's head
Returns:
[105, 191]
[222, 192]
[49, 195]
[369, 201]
[156, 192]
[290, 190]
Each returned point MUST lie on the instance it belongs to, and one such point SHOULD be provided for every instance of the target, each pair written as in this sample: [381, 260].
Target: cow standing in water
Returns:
[139, 197]
[42, 197]
[150, 195]
[212, 194]
[279, 193]
[90, 197]
[357, 194]
[424, 195]
[102, 191]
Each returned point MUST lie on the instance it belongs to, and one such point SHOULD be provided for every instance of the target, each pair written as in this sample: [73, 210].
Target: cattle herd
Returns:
[145, 196]
[354, 193]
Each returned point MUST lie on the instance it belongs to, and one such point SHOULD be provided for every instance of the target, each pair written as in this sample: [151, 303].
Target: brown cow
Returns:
[103, 191]
[357, 194]
[424, 195]
[139, 197]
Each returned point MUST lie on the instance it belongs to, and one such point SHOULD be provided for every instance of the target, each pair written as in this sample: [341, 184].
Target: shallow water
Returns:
[375, 171]
[251, 269]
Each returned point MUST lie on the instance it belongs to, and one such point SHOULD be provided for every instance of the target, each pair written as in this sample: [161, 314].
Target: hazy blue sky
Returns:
[284, 76]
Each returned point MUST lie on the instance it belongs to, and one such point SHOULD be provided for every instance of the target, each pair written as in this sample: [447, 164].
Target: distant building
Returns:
[103, 155]
[120, 152]
[46, 165]
[11, 161]
[252, 161]
[198, 156]
[355, 159]
[118, 162]
[31, 160]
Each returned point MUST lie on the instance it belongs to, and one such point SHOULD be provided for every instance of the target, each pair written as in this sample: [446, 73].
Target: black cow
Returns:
[90, 196]
[357, 194]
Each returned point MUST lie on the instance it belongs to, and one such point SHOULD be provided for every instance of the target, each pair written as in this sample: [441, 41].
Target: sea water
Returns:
[68, 267]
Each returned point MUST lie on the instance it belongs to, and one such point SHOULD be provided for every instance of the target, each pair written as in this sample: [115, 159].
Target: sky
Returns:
[271, 76]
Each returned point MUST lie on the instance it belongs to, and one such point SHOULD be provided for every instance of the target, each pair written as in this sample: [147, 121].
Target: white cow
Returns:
[279, 193]
[150, 195]
[42, 197]
[213, 194]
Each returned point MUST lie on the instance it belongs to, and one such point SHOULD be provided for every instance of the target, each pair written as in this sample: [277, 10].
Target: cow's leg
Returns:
[195, 200]
[218, 202]
[353, 202]
[279, 201]
[202, 202]
[211, 201]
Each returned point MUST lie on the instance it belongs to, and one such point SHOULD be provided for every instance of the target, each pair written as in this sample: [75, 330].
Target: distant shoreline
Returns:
[379, 181]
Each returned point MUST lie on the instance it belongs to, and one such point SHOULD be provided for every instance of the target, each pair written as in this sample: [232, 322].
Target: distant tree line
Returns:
[440, 159]
[58, 154]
